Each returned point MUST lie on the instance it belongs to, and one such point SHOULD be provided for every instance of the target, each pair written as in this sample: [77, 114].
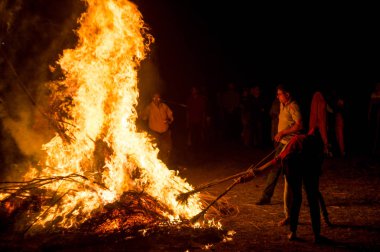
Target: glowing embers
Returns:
[133, 211]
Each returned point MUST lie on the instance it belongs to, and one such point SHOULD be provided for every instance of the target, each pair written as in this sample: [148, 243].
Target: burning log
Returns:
[25, 200]
[134, 210]
[116, 183]
[135, 220]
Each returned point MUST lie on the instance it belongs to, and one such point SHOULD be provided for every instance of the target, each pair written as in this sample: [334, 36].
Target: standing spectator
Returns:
[159, 117]
[230, 103]
[374, 119]
[289, 124]
[245, 109]
[273, 113]
[339, 121]
[318, 118]
[258, 114]
[195, 120]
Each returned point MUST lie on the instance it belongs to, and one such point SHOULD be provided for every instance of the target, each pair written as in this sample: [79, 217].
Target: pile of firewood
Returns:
[132, 213]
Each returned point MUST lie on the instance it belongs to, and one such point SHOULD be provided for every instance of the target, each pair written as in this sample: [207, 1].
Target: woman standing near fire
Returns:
[159, 117]
[301, 160]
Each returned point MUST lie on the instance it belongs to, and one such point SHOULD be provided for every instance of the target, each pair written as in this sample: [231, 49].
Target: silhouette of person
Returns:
[301, 160]
[195, 120]
[374, 119]
[273, 113]
[258, 112]
[230, 103]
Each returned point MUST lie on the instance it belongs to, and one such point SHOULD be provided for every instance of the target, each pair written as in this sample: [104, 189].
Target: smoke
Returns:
[150, 80]
[33, 34]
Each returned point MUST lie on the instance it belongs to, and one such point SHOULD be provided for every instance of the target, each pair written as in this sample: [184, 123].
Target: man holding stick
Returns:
[289, 124]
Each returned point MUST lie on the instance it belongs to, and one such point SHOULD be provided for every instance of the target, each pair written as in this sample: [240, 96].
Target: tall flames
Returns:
[101, 76]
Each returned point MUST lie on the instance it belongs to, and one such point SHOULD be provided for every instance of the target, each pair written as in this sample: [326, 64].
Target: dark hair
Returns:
[313, 143]
[284, 88]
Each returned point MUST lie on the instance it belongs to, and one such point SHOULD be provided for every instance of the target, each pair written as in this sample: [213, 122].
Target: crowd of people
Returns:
[250, 115]
[300, 141]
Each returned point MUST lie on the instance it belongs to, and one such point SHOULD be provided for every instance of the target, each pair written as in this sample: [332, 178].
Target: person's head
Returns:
[256, 91]
[377, 87]
[283, 94]
[194, 91]
[156, 98]
[313, 141]
[245, 92]
[231, 86]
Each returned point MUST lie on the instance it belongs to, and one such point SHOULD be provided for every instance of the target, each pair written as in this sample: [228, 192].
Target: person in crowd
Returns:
[339, 124]
[159, 117]
[258, 113]
[195, 120]
[273, 113]
[318, 118]
[230, 105]
[301, 160]
[289, 124]
[245, 115]
[374, 119]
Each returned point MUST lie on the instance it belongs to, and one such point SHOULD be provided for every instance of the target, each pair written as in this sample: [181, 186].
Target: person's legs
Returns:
[165, 146]
[339, 130]
[271, 181]
[322, 205]
[295, 189]
[288, 198]
[270, 185]
[196, 140]
[311, 184]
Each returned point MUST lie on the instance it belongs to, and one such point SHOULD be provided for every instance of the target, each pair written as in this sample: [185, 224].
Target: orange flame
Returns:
[101, 73]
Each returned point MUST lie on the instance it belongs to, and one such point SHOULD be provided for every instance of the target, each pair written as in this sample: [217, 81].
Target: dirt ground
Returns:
[349, 186]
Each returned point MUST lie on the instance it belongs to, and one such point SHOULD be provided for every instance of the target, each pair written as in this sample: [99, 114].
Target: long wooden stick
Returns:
[196, 217]
[182, 198]
[237, 181]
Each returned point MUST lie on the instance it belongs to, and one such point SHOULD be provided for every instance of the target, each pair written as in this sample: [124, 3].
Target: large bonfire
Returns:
[98, 156]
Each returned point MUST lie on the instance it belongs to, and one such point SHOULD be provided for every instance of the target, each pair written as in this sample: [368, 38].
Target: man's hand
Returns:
[247, 177]
[278, 136]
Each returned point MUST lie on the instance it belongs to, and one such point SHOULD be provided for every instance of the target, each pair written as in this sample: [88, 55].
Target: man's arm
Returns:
[145, 113]
[169, 113]
[296, 127]
[252, 172]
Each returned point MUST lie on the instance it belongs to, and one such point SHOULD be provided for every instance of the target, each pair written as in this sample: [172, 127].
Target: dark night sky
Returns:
[214, 42]
[307, 45]
[211, 43]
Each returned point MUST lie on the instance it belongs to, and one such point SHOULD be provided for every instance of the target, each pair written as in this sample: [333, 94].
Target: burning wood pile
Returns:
[133, 211]
[99, 174]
